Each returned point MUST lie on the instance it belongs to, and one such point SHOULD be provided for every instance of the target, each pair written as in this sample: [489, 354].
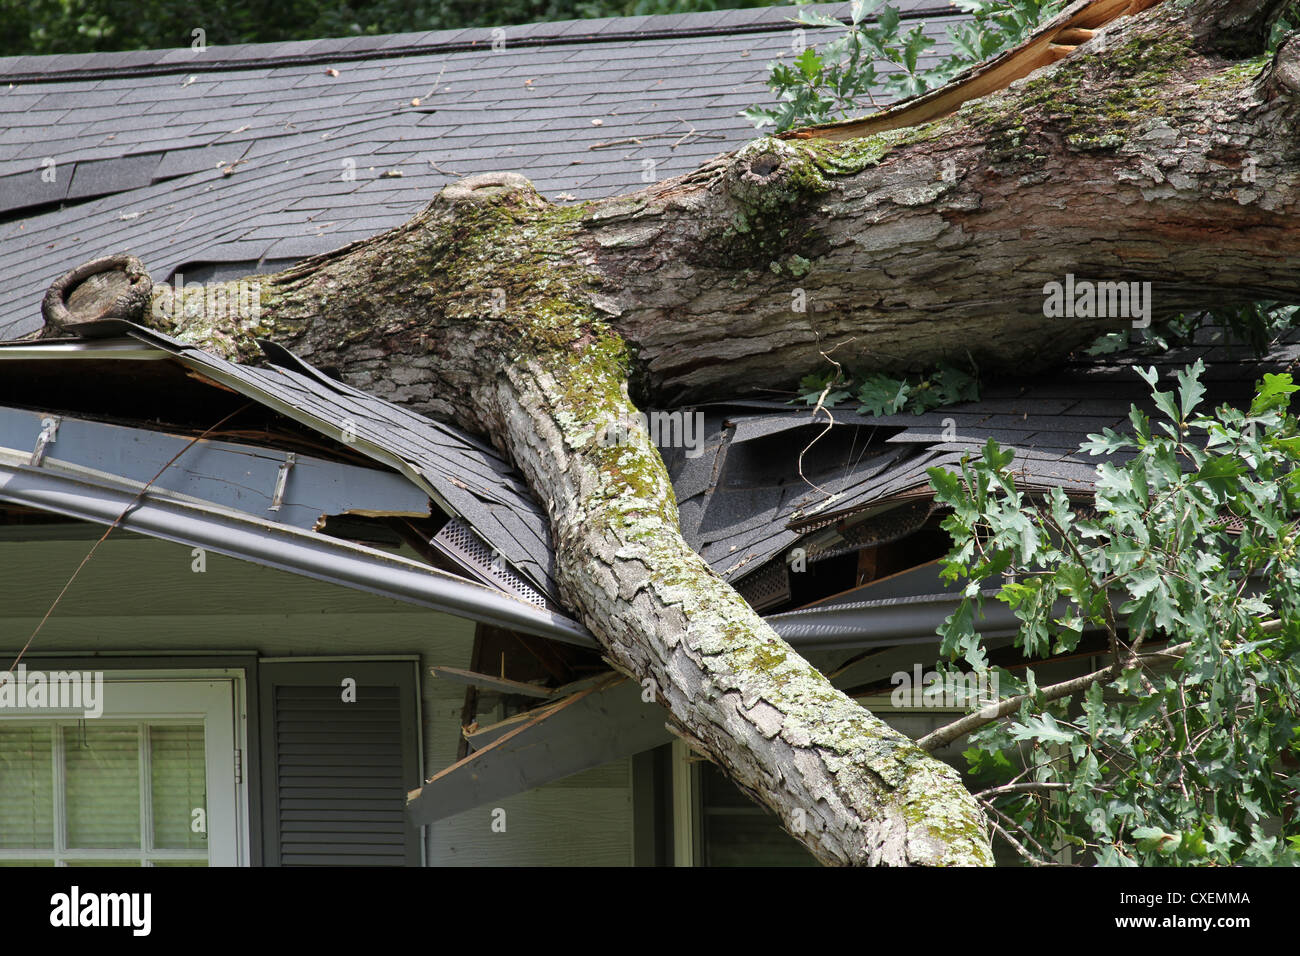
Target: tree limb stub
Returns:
[112, 287]
[537, 324]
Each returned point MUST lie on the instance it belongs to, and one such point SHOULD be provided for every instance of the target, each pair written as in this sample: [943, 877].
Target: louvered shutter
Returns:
[335, 774]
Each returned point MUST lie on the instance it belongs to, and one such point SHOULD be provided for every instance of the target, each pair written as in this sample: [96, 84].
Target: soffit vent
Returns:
[767, 587]
[459, 542]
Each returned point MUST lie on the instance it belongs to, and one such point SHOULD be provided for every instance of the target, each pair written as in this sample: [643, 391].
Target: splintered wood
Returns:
[1054, 40]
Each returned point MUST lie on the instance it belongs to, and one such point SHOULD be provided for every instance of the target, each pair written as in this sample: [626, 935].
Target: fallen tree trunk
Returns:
[540, 326]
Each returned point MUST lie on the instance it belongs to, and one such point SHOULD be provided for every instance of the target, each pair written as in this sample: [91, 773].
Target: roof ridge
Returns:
[107, 65]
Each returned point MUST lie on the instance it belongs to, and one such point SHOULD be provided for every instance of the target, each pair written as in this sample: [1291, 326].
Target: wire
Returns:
[117, 521]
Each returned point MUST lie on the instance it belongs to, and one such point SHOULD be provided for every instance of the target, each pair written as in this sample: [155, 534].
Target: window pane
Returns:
[103, 863]
[179, 786]
[26, 787]
[738, 832]
[102, 766]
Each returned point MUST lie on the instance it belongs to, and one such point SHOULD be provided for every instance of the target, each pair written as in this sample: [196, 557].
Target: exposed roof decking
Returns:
[743, 502]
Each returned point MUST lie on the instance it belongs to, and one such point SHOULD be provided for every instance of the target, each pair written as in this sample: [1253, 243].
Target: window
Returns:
[736, 831]
[716, 824]
[151, 782]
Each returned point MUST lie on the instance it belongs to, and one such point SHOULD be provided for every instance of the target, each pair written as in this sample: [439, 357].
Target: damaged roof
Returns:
[465, 477]
[244, 159]
[768, 475]
[744, 502]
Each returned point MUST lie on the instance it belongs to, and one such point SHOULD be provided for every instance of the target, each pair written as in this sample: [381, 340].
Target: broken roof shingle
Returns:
[746, 499]
[465, 477]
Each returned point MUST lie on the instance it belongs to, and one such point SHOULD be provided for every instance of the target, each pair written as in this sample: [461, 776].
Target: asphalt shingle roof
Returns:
[244, 158]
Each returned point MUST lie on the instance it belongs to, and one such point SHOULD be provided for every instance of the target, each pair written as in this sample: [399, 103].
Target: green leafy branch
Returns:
[876, 54]
[1184, 747]
[880, 395]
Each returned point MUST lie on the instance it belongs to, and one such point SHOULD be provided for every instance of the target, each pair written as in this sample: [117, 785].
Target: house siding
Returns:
[141, 596]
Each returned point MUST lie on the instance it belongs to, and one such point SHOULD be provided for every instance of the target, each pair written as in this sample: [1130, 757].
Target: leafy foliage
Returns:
[822, 86]
[1256, 324]
[879, 394]
[996, 25]
[84, 26]
[879, 54]
[1187, 758]
[1288, 20]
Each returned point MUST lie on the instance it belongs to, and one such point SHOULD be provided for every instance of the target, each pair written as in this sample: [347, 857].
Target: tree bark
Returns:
[1162, 159]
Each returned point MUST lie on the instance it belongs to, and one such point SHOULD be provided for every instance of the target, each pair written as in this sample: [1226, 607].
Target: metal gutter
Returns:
[318, 556]
[901, 620]
[57, 349]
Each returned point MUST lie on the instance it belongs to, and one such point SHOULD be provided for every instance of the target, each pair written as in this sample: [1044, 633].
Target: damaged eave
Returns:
[234, 534]
[605, 721]
[497, 534]
[289, 488]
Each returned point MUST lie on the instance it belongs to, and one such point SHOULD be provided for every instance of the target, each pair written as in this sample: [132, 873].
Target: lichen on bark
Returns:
[850, 787]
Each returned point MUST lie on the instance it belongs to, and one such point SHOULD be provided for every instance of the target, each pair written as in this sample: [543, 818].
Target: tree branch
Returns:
[987, 715]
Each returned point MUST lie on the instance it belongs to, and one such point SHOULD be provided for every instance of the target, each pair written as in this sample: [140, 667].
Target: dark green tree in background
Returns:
[83, 26]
